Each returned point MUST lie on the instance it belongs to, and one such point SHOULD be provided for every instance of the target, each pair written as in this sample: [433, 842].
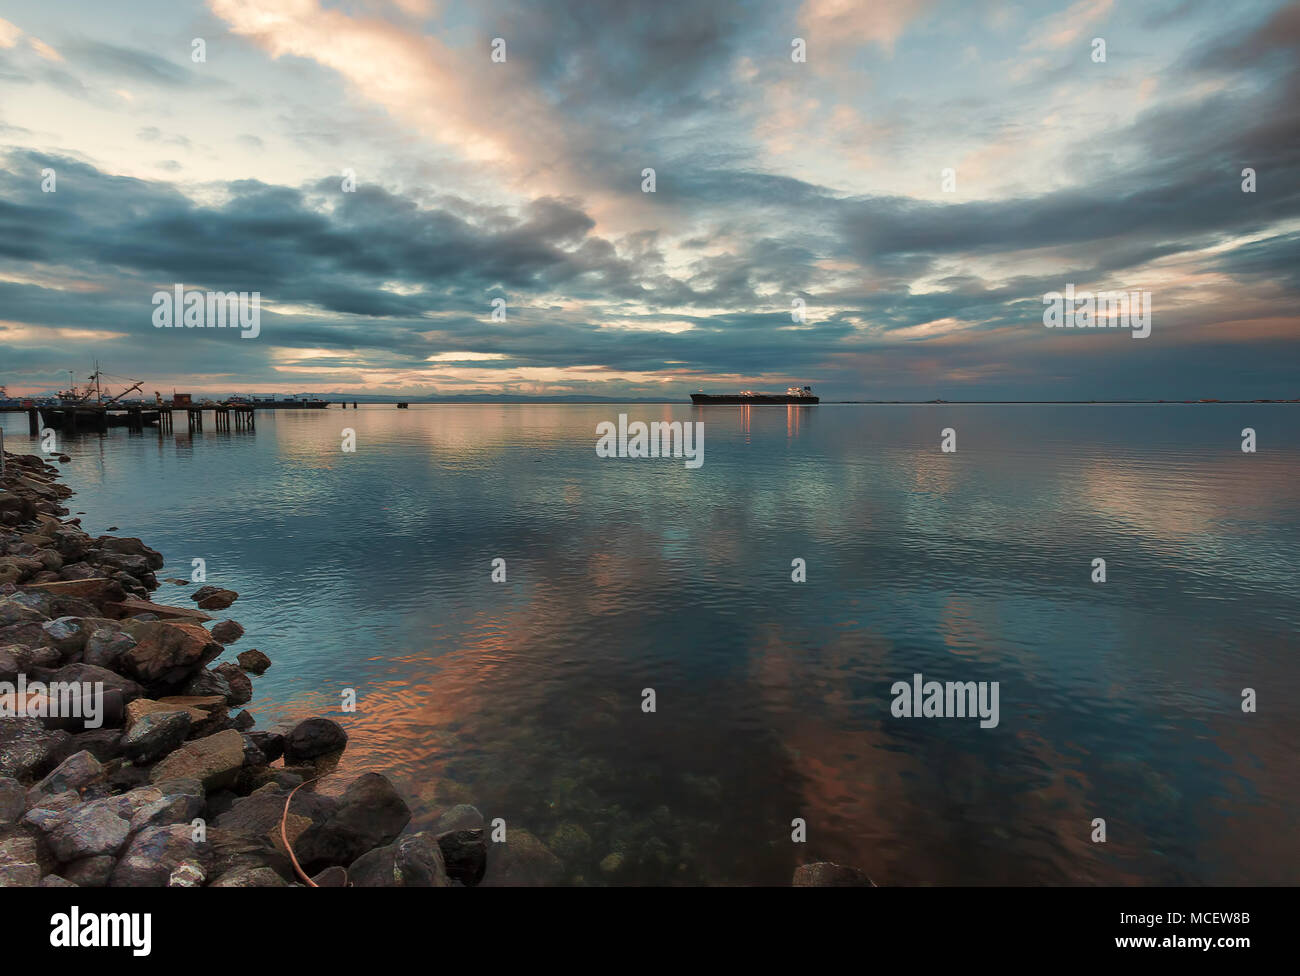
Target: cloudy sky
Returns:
[775, 180]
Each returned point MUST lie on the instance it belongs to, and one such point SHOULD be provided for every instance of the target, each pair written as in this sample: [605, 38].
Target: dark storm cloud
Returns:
[298, 246]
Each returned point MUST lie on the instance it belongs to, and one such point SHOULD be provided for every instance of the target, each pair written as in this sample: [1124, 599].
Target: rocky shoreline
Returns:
[164, 779]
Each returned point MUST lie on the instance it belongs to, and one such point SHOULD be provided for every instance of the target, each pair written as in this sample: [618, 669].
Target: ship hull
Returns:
[765, 399]
[69, 418]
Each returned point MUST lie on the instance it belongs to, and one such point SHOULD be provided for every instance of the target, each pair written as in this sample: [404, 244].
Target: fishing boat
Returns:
[93, 407]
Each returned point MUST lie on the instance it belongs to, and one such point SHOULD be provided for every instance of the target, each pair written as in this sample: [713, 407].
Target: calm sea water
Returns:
[1119, 701]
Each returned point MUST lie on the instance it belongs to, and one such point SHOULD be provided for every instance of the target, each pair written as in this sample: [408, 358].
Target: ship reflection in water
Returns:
[1119, 700]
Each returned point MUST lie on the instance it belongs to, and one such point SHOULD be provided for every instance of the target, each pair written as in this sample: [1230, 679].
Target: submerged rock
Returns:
[522, 861]
[571, 844]
[827, 874]
[460, 817]
[611, 864]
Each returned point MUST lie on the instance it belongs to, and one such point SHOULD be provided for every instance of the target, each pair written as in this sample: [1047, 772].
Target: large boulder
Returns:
[130, 547]
[14, 611]
[104, 744]
[233, 851]
[21, 506]
[156, 853]
[213, 597]
[106, 645]
[141, 707]
[69, 634]
[168, 651]
[241, 686]
[215, 761]
[258, 816]
[312, 738]
[16, 659]
[207, 682]
[74, 774]
[370, 813]
[89, 675]
[174, 808]
[464, 852]
[253, 661]
[412, 862]
[29, 633]
[29, 749]
[15, 569]
[92, 830]
[216, 716]
[227, 631]
[70, 543]
[90, 872]
[270, 743]
[155, 735]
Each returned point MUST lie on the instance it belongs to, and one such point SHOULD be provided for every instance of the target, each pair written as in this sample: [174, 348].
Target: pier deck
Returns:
[90, 417]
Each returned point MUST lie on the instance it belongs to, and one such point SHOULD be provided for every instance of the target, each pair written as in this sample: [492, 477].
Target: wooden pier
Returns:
[84, 419]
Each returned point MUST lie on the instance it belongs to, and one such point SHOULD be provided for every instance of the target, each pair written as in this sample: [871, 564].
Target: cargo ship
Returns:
[801, 395]
[301, 401]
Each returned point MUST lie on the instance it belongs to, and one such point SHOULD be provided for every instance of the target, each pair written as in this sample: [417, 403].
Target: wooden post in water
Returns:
[33, 422]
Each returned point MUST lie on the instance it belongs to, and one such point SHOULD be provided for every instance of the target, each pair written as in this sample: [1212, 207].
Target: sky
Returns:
[880, 218]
